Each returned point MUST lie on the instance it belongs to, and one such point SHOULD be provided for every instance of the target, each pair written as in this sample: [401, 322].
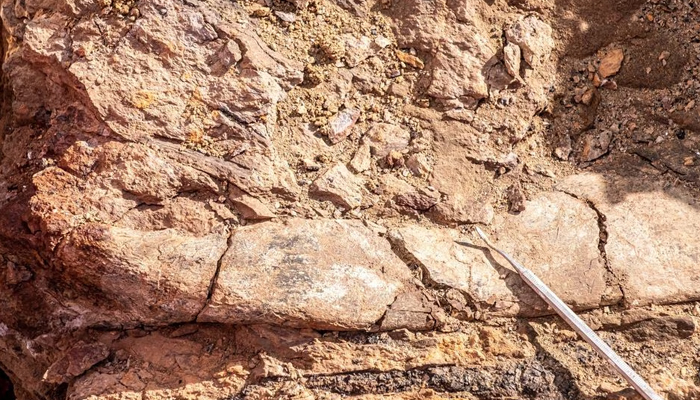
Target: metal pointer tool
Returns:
[577, 324]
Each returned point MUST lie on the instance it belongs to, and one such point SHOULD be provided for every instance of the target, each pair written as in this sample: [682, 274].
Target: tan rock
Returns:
[338, 185]
[534, 37]
[249, 207]
[419, 165]
[156, 277]
[460, 210]
[651, 230]
[511, 58]
[610, 64]
[556, 236]
[362, 160]
[409, 59]
[321, 274]
[384, 138]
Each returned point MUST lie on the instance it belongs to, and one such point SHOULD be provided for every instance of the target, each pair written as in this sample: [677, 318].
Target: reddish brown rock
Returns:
[76, 361]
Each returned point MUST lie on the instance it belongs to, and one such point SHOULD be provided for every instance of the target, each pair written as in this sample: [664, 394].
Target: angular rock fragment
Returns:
[511, 58]
[362, 160]
[385, 138]
[534, 37]
[460, 210]
[323, 274]
[249, 207]
[339, 126]
[75, 361]
[516, 198]
[610, 64]
[409, 59]
[338, 185]
[419, 165]
[420, 200]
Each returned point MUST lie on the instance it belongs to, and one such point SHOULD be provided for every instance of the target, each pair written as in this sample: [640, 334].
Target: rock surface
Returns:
[652, 256]
[556, 236]
[330, 274]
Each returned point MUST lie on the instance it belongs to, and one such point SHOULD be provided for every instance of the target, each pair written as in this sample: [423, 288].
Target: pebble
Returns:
[410, 59]
[340, 125]
[286, 16]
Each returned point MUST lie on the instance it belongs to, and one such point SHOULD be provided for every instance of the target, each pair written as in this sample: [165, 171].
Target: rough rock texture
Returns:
[208, 199]
[652, 255]
[556, 236]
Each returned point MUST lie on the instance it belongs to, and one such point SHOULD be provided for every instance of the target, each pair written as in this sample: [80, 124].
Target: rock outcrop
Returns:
[274, 199]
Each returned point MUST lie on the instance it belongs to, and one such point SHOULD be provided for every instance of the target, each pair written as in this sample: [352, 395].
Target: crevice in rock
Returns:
[613, 279]
[210, 290]
[424, 275]
[527, 380]
[7, 390]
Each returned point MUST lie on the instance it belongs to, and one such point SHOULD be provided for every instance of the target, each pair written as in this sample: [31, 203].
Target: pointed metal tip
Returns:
[485, 238]
[481, 233]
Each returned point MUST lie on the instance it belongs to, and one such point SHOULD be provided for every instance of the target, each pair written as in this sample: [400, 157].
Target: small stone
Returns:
[339, 186]
[311, 165]
[385, 138]
[587, 97]
[362, 159]
[394, 159]
[516, 198]
[410, 59]
[594, 145]
[286, 16]
[511, 58]
[418, 165]
[340, 124]
[16, 274]
[462, 211]
[382, 41]
[259, 11]
[610, 64]
[421, 200]
[249, 207]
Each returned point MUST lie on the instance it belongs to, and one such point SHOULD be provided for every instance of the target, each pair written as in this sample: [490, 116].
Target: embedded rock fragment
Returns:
[511, 58]
[323, 274]
[338, 185]
[534, 37]
[362, 160]
[384, 138]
